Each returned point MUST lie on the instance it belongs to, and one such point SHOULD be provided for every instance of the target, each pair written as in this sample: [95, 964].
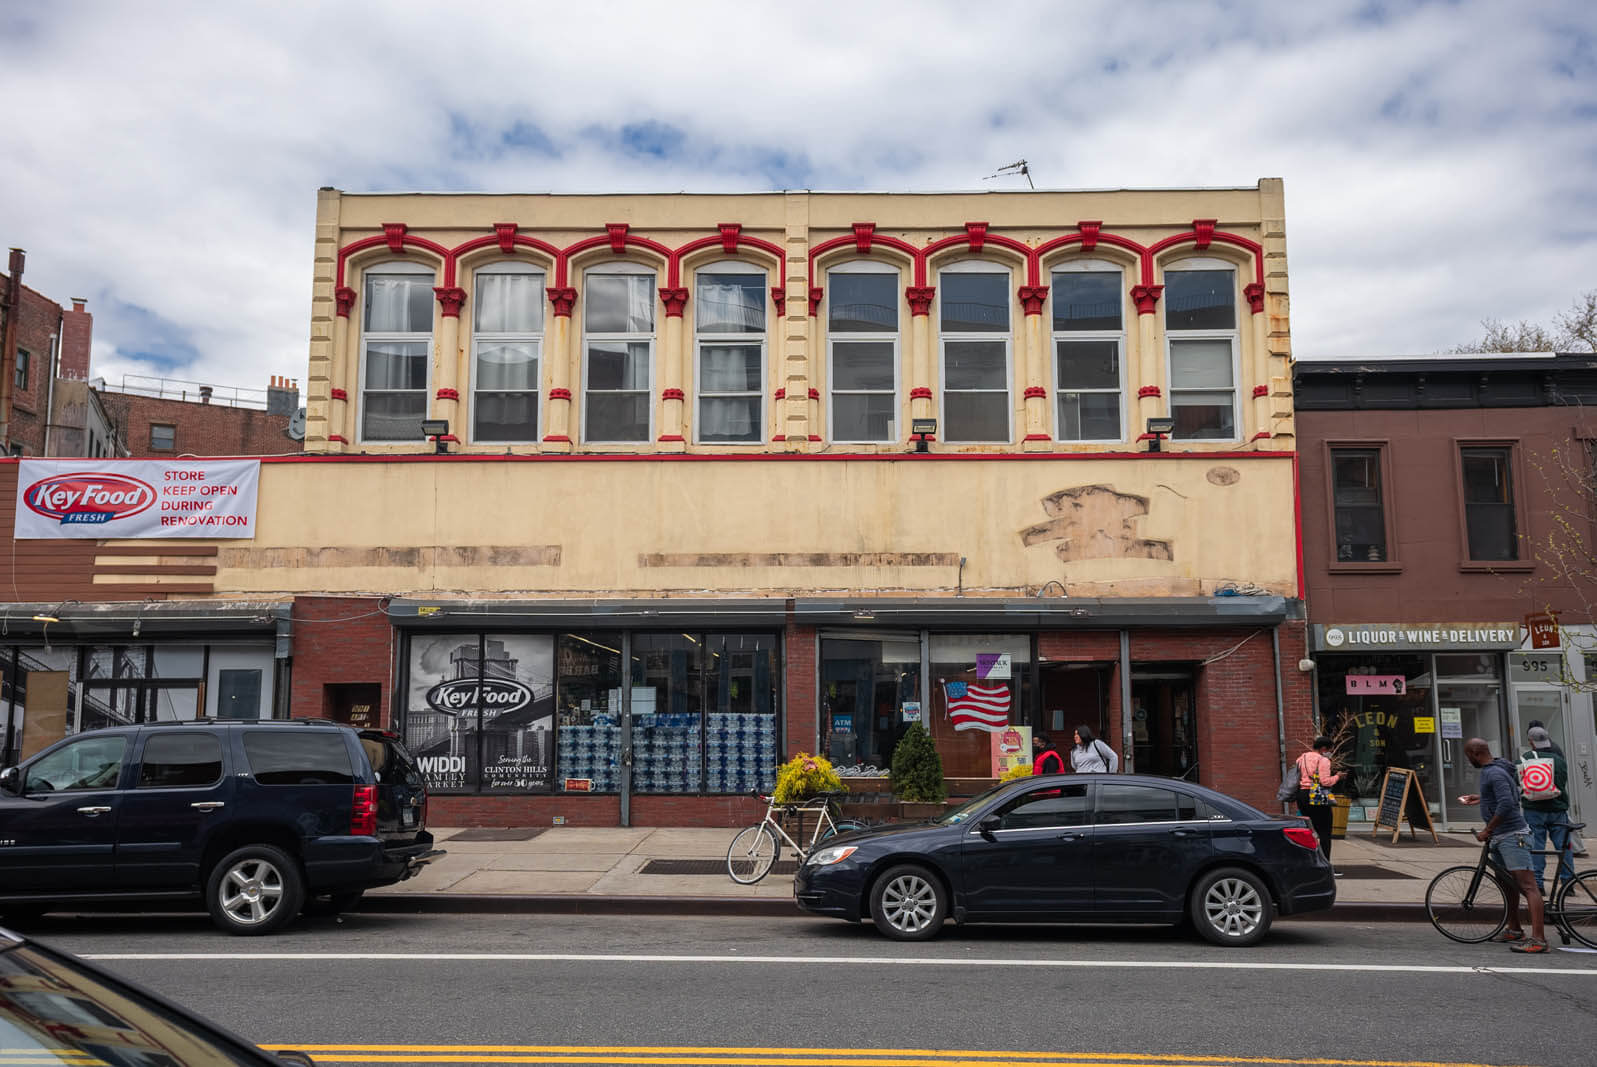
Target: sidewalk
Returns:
[683, 871]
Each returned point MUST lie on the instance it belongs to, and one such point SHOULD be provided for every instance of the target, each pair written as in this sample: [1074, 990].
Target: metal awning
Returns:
[123, 620]
[1033, 613]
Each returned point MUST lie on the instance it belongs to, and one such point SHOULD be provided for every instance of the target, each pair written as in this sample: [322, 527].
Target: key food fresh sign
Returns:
[136, 498]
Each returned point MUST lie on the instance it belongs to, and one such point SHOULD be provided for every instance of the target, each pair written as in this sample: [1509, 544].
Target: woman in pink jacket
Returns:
[1311, 763]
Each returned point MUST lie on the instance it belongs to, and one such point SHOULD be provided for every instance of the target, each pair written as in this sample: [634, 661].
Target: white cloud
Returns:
[164, 162]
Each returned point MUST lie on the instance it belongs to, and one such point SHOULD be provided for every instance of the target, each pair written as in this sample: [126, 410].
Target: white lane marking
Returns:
[574, 957]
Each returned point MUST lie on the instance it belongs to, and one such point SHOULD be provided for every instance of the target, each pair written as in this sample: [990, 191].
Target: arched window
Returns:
[1200, 317]
[618, 354]
[862, 349]
[729, 373]
[973, 303]
[395, 346]
[1089, 335]
[506, 343]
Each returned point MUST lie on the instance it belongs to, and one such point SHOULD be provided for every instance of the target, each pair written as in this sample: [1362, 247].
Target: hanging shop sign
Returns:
[59, 499]
[1543, 630]
[1375, 685]
[1423, 637]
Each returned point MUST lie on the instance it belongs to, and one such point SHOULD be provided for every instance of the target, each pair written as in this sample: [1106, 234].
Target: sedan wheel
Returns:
[254, 890]
[908, 903]
[1231, 907]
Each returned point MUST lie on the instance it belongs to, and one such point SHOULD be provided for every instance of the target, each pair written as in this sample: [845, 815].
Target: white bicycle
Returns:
[755, 849]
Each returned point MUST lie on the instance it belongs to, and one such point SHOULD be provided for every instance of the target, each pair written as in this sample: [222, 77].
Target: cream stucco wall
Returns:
[769, 526]
[796, 364]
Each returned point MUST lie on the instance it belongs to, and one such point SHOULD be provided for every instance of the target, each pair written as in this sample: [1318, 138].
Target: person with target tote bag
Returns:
[1544, 798]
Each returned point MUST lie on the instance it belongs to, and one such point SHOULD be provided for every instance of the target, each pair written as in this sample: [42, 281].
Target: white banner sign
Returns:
[136, 498]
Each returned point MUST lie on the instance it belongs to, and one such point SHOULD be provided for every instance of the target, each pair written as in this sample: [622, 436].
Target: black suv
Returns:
[259, 816]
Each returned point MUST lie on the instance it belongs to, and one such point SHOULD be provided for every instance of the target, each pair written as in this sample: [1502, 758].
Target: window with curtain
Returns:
[618, 356]
[729, 324]
[1200, 306]
[396, 338]
[862, 342]
[507, 338]
[1089, 352]
[973, 328]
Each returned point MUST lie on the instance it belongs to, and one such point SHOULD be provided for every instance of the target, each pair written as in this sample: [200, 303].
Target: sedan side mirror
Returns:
[11, 780]
[988, 825]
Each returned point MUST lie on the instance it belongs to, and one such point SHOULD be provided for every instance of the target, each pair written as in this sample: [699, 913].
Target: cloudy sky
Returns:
[162, 160]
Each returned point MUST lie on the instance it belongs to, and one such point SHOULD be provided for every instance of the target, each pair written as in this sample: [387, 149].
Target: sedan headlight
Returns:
[828, 856]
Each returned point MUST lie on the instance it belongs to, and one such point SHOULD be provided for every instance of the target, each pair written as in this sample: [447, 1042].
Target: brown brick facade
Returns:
[197, 428]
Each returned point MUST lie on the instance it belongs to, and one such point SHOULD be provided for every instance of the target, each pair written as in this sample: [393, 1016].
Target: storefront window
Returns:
[667, 713]
[1376, 730]
[740, 735]
[979, 682]
[479, 712]
[866, 684]
[588, 694]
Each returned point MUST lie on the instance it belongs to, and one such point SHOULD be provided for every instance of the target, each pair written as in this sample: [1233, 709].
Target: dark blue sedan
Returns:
[1079, 848]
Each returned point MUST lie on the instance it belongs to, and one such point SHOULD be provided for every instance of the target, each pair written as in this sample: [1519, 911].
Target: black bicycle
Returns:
[1470, 904]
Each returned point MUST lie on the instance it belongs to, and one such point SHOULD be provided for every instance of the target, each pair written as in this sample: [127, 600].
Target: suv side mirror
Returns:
[11, 781]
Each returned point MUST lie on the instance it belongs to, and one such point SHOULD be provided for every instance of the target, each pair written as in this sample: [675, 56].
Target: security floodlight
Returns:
[1158, 427]
[438, 430]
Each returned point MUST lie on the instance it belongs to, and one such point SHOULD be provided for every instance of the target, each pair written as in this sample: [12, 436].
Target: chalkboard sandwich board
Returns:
[1402, 798]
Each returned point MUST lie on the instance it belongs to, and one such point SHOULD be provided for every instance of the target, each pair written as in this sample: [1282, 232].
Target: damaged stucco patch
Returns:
[798, 559]
[1095, 522]
[382, 556]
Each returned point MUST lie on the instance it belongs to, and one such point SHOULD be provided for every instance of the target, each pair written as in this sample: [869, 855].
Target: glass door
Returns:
[1469, 691]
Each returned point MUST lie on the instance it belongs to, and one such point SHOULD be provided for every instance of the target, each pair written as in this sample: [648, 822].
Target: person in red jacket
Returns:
[1048, 760]
[1316, 763]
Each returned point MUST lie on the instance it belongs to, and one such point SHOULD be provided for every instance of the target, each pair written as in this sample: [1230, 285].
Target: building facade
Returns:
[1448, 520]
[166, 417]
[52, 344]
[732, 477]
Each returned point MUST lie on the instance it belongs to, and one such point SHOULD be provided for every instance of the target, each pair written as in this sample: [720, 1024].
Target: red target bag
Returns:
[1536, 778]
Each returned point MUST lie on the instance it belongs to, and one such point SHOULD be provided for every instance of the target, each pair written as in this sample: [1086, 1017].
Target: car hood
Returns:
[881, 833]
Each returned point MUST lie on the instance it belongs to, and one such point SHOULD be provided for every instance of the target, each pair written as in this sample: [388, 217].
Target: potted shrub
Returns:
[917, 774]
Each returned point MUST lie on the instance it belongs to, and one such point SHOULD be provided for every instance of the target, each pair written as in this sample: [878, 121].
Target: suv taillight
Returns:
[1302, 836]
[363, 817]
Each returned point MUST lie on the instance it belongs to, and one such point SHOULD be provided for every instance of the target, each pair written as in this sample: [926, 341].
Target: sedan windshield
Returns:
[969, 808]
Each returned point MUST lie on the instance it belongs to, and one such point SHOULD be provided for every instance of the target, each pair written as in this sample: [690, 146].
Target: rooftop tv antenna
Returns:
[1017, 167]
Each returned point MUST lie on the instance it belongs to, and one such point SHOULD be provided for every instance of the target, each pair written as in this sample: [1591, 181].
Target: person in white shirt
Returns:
[1090, 755]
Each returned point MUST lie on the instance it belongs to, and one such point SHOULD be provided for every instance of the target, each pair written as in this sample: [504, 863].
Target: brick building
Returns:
[1448, 502]
[731, 477]
[52, 342]
[160, 417]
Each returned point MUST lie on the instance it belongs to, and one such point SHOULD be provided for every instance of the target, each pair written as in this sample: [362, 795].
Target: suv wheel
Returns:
[254, 890]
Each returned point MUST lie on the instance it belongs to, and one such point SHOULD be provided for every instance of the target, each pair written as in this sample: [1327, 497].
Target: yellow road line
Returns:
[802, 1057]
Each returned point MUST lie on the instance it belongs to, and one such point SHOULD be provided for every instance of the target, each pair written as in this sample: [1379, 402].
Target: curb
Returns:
[741, 907]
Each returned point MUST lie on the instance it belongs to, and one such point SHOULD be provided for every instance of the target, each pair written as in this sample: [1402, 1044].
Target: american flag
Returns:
[978, 707]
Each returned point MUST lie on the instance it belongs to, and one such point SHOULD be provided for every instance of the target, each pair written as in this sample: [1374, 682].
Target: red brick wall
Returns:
[77, 337]
[38, 319]
[340, 640]
[802, 695]
[201, 429]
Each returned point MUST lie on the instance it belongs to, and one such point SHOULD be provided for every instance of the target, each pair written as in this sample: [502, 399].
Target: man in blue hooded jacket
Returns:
[1509, 834]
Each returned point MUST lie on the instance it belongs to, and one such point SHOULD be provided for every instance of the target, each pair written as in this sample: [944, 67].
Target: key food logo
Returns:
[88, 498]
[496, 695]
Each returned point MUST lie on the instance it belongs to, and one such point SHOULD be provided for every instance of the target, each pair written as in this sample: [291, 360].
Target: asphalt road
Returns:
[609, 989]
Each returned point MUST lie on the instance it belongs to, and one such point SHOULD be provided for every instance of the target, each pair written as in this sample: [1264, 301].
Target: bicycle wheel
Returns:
[1576, 908]
[752, 854]
[1456, 915]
